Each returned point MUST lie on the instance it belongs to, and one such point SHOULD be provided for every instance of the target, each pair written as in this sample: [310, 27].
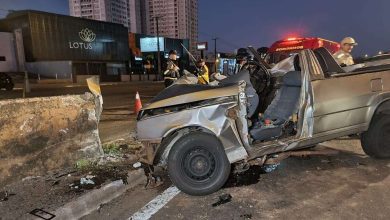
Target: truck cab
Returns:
[198, 131]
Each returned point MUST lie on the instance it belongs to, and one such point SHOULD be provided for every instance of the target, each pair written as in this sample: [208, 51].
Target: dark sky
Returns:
[239, 23]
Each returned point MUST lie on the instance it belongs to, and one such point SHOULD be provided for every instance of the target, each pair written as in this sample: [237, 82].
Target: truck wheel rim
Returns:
[199, 164]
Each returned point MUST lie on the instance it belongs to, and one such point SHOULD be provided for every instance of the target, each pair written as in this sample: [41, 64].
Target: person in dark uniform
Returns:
[241, 60]
[172, 72]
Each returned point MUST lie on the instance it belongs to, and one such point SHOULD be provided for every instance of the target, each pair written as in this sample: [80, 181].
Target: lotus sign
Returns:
[87, 36]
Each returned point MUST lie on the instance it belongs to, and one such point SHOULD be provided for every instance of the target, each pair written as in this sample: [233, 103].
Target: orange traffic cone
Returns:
[138, 104]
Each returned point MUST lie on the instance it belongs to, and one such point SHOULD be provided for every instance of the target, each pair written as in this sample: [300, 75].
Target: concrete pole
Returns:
[215, 53]
[158, 50]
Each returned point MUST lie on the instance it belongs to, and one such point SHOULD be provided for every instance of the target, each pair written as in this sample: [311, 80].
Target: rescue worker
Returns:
[203, 75]
[343, 56]
[172, 72]
[241, 60]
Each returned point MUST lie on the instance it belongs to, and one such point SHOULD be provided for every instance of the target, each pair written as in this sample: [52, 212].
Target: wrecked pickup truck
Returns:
[198, 131]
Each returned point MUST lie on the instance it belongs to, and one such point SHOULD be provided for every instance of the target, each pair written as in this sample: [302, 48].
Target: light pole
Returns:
[158, 48]
[215, 52]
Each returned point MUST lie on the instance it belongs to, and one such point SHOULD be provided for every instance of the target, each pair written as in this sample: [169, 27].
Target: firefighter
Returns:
[172, 72]
[203, 75]
[241, 60]
[343, 56]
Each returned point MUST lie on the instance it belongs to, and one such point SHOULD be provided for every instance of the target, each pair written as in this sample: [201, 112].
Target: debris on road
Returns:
[87, 180]
[137, 165]
[246, 216]
[4, 195]
[225, 198]
[268, 168]
[42, 214]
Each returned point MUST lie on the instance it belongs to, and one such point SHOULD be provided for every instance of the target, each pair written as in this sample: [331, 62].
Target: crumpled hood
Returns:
[186, 93]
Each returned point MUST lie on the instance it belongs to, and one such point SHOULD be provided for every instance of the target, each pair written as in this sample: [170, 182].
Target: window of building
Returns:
[2, 58]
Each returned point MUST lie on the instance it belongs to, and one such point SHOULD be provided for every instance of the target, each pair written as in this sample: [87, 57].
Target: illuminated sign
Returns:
[87, 36]
[149, 44]
[201, 46]
[289, 48]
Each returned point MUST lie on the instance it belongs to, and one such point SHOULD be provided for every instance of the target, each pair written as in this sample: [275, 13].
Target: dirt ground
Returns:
[59, 187]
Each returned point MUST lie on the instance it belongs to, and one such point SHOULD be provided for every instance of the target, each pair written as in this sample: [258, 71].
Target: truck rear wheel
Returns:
[376, 141]
[197, 164]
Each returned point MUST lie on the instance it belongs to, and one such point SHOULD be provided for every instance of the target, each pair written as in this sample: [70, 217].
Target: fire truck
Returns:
[284, 48]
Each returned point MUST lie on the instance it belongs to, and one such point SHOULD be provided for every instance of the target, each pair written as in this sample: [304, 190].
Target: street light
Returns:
[158, 47]
[215, 53]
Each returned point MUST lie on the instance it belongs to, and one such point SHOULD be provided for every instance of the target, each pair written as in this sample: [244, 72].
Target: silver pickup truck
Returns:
[199, 131]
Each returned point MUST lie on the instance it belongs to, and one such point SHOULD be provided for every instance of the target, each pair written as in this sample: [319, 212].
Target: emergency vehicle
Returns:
[285, 48]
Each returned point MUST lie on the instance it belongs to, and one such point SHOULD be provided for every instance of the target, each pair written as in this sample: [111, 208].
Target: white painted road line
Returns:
[156, 204]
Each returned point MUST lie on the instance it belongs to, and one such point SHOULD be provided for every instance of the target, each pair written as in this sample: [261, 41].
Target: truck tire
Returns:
[197, 164]
[376, 141]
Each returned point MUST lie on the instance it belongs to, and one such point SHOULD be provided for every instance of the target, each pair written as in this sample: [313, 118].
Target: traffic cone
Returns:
[138, 104]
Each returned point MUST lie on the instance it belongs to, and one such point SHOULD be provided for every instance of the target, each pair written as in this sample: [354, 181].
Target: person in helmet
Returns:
[343, 56]
[172, 72]
[241, 60]
[203, 75]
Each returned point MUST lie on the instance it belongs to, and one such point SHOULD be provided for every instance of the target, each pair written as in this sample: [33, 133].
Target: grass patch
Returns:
[84, 164]
[112, 149]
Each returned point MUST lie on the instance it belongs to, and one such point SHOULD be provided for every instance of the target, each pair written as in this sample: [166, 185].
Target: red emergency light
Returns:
[291, 44]
[291, 38]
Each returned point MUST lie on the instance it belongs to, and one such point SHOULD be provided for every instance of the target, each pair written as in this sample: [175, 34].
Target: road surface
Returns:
[348, 185]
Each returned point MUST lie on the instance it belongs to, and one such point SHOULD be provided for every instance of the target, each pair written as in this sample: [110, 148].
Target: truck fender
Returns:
[382, 108]
[170, 139]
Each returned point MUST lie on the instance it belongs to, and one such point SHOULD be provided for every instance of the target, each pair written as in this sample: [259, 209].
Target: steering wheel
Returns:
[260, 76]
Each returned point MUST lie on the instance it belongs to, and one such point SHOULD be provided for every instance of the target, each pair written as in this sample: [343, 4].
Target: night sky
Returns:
[239, 23]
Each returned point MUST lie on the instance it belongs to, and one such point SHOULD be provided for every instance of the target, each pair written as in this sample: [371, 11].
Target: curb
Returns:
[91, 201]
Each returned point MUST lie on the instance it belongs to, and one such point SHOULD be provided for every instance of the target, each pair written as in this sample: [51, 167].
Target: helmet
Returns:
[201, 60]
[242, 53]
[262, 50]
[172, 52]
[348, 40]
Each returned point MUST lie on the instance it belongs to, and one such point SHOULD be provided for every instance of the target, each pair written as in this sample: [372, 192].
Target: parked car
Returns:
[6, 82]
[198, 131]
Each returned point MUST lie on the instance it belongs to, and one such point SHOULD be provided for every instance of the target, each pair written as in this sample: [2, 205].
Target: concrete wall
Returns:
[7, 50]
[42, 134]
[51, 69]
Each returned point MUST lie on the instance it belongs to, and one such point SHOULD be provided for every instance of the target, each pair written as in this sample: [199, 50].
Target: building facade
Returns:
[126, 12]
[8, 61]
[176, 19]
[65, 47]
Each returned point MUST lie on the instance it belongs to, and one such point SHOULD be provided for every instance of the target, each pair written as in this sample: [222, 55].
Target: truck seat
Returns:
[282, 107]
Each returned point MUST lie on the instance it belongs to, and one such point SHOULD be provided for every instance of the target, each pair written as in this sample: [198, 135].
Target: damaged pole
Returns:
[26, 85]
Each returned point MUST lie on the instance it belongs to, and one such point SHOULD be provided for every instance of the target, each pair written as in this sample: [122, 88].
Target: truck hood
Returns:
[186, 93]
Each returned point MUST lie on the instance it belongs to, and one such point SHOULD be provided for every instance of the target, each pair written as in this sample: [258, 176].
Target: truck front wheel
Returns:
[376, 141]
[197, 164]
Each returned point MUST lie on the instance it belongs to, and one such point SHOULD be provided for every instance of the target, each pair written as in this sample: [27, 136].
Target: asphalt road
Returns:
[348, 185]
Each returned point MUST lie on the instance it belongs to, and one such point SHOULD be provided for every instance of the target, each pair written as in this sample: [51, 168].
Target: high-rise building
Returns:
[126, 12]
[176, 19]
